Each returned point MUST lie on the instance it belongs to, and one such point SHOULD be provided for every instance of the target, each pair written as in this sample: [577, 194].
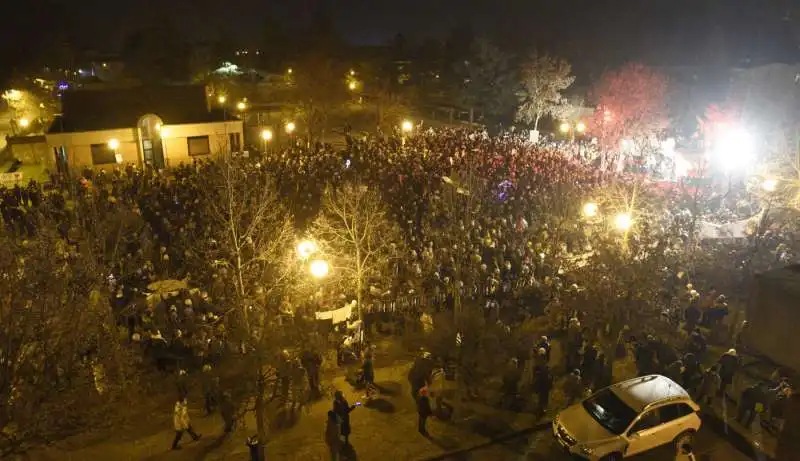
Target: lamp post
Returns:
[290, 127]
[113, 144]
[590, 210]
[406, 128]
[266, 136]
[164, 133]
[319, 268]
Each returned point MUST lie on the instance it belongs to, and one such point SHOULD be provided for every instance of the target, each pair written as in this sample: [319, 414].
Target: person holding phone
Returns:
[342, 409]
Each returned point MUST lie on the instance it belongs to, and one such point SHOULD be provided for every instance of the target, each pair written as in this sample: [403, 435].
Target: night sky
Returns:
[658, 31]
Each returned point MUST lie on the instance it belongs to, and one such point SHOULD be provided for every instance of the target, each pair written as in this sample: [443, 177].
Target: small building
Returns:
[156, 126]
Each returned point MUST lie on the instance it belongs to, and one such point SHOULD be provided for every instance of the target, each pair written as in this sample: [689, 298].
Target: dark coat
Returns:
[342, 410]
[424, 406]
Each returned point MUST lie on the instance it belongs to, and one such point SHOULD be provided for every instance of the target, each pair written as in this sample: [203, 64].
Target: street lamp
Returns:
[241, 105]
[623, 222]
[352, 72]
[580, 127]
[352, 85]
[24, 122]
[290, 127]
[564, 127]
[407, 126]
[113, 144]
[769, 185]
[319, 268]
[305, 249]
[590, 210]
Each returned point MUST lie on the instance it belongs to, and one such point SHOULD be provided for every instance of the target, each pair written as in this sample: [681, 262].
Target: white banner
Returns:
[11, 178]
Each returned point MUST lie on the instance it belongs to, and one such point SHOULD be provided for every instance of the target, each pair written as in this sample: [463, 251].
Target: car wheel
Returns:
[684, 438]
[612, 457]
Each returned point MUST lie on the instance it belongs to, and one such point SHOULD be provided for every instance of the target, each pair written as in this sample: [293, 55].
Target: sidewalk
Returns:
[385, 428]
[754, 440]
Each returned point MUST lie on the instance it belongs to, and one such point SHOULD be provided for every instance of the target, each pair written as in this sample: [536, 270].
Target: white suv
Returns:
[628, 418]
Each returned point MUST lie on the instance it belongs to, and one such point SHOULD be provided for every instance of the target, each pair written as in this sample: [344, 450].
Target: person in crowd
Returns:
[511, 378]
[728, 367]
[312, 362]
[368, 375]
[542, 385]
[180, 420]
[709, 386]
[333, 435]
[210, 385]
[342, 409]
[424, 410]
[227, 410]
[573, 387]
[746, 409]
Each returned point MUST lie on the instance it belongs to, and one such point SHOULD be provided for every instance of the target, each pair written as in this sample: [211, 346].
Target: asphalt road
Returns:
[709, 445]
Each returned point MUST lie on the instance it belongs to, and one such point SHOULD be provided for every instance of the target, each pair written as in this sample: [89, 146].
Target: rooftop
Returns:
[637, 393]
[110, 108]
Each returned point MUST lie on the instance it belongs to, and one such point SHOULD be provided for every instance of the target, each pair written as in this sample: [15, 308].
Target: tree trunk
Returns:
[261, 411]
[536, 122]
[471, 115]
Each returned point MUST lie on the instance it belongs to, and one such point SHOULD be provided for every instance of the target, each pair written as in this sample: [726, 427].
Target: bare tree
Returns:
[355, 233]
[320, 87]
[544, 78]
[250, 249]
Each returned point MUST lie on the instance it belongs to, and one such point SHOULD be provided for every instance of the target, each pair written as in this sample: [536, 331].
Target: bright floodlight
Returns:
[734, 147]
[319, 268]
[590, 210]
[769, 185]
[24, 122]
[266, 135]
[564, 127]
[290, 127]
[113, 144]
[242, 105]
[580, 127]
[623, 221]
[407, 126]
[306, 248]
[221, 99]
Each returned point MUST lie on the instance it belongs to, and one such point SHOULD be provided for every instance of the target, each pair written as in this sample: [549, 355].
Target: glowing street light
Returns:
[564, 127]
[241, 105]
[407, 126]
[221, 99]
[306, 248]
[24, 122]
[113, 144]
[769, 185]
[352, 86]
[289, 71]
[580, 127]
[266, 135]
[290, 127]
[352, 72]
[164, 131]
[590, 210]
[623, 222]
[319, 268]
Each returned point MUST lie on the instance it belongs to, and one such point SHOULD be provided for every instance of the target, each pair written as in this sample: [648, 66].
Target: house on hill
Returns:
[156, 126]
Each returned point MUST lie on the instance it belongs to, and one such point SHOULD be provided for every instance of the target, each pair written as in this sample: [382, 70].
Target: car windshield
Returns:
[611, 412]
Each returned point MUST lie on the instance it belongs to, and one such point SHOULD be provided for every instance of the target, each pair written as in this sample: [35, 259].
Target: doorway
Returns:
[152, 147]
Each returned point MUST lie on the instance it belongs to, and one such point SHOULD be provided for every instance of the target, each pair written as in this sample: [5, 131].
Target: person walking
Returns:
[709, 386]
[333, 438]
[746, 411]
[542, 384]
[210, 385]
[728, 366]
[342, 409]
[368, 375]
[180, 419]
[424, 409]
[573, 387]
[227, 410]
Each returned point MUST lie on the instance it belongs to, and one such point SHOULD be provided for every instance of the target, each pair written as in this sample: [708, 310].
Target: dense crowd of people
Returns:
[483, 226]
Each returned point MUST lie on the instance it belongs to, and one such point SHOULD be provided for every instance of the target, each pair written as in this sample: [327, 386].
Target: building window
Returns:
[102, 154]
[198, 145]
[235, 141]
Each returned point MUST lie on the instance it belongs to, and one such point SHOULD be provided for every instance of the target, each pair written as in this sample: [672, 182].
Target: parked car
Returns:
[628, 418]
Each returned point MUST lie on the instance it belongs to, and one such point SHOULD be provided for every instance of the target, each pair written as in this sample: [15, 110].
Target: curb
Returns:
[734, 437]
[502, 438]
